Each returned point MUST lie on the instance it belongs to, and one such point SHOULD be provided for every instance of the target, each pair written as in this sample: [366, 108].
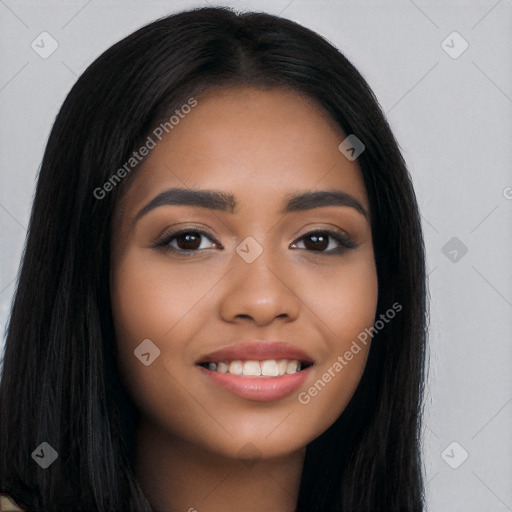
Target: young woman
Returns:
[222, 303]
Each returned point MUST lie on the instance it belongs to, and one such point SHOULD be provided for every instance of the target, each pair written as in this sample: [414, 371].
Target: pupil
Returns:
[188, 238]
[318, 239]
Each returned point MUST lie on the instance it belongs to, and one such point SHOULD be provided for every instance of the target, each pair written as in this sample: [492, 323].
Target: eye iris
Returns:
[319, 242]
[188, 238]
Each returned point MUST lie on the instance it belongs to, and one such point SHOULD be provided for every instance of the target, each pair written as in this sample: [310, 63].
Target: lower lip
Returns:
[262, 389]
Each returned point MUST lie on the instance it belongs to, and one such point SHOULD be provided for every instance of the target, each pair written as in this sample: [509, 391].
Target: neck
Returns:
[177, 476]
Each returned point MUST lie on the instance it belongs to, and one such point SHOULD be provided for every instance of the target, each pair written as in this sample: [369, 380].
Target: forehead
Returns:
[258, 144]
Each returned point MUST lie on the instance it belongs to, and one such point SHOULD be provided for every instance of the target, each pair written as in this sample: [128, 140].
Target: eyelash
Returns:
[162, 243]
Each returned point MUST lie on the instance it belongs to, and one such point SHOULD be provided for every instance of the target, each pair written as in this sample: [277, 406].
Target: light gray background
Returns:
[453, 120]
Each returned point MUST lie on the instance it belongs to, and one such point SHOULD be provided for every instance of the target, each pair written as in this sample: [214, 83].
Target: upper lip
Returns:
[257, 351]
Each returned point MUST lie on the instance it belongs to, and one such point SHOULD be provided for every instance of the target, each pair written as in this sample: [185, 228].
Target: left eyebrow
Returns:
[222, 201]
[310, 200]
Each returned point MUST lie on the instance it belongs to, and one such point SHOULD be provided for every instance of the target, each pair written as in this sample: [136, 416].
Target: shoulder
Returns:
[7, 504]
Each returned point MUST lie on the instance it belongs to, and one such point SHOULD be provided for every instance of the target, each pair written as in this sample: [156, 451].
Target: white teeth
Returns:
[235, 367]
[292, 367]
[252, 368]
[267, 368]
[222, 367]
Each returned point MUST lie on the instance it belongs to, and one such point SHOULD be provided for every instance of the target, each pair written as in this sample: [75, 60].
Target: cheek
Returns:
[346, 304]
[149, 297]
[151, 301]
[357, 294]
[343, 298]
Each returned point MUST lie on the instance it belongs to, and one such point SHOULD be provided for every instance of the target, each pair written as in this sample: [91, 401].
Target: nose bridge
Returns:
[259, 283]
[258, 262]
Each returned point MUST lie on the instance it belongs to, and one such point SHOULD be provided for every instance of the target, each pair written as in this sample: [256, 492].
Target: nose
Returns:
[261, 291]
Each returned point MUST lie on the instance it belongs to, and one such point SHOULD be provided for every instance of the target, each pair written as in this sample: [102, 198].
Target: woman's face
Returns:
[249, 266]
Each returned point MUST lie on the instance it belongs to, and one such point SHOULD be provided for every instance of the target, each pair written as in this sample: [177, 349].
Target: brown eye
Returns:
[316, 242]
[188, 241]
[185, 241]
[319, 241]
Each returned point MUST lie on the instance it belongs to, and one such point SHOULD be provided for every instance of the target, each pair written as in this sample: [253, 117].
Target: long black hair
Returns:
[60, 382]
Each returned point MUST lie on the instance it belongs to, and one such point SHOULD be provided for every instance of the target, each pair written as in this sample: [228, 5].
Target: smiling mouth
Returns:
[253, 368]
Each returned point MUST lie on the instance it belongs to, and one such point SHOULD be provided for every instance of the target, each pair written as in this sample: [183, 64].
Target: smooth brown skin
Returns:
[260, 145]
